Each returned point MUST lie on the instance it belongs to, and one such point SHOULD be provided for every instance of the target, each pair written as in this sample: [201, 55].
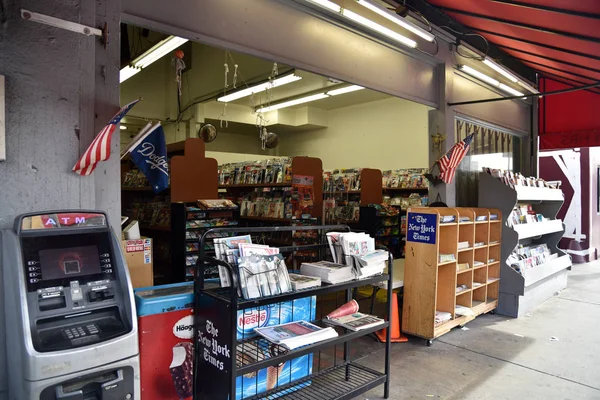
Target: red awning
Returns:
[557, 38]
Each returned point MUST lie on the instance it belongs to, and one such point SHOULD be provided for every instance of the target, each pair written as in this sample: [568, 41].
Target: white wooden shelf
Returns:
[527, 193]
[545, 270]
[534, 229]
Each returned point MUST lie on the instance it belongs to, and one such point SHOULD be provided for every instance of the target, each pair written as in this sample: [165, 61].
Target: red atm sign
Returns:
[63, 220]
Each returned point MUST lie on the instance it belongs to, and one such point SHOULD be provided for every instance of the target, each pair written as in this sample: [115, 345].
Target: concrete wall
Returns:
[385, 134]
[61, 87]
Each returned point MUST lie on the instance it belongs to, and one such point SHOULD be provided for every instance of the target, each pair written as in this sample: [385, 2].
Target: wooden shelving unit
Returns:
[431, 285]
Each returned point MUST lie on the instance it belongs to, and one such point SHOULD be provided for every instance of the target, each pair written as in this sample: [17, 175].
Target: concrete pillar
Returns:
[61, 88]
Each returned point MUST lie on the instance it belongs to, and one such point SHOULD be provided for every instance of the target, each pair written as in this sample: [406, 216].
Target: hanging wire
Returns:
[487, 44]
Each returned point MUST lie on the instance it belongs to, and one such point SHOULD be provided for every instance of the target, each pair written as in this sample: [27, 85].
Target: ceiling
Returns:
[559, 39]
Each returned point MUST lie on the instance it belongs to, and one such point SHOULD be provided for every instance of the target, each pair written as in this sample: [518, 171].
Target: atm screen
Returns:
[56, 260]
[69, 262]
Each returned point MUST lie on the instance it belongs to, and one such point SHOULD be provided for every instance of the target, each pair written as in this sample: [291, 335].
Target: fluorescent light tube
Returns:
[500, 70]
[123, 127]
[127, 73]
[327, 4]
[157, 51]
[378, 28]
[387, 14]
[479, 75]
[510, 90]
[295, 102]
[284, 80]
[528, 87]
[343, 90]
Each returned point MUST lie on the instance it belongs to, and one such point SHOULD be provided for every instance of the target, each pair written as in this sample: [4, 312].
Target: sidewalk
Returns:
[551, 353]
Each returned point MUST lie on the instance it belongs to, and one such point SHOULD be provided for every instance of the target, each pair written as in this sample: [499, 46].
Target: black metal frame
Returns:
[223, 304]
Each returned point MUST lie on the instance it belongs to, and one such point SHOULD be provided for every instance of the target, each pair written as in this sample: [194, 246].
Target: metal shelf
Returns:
[343, 382]
[260, 360]
[223, 294]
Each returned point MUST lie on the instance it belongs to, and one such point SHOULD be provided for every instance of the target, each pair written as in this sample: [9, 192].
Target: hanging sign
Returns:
[421, 228]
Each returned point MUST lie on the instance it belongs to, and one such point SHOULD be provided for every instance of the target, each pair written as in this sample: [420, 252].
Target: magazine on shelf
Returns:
[347, 316]
[328, 271]
[249, 249]
[296, 334]
[222, 245]
[302, 282]
[263, 275]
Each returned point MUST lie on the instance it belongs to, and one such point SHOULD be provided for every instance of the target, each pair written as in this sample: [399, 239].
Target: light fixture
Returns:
[479, 75]
[284, 80]
[387, 14]
[347, 89]
[359, 19]
[490, 80]
[327, 4]
[500, 70]
[528, 87]
[510, 90]
[127, 73]
[291, 103]
[157, 51]
[123, 127]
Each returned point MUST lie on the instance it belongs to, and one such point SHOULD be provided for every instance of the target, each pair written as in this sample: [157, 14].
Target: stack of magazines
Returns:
[296, 334]
[328, 272]
[357, 250]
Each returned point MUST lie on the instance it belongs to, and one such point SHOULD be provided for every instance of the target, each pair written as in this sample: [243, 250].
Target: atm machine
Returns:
[71, 327]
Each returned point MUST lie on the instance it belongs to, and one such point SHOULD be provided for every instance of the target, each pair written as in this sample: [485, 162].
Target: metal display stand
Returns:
[521, 292]
[221, 356]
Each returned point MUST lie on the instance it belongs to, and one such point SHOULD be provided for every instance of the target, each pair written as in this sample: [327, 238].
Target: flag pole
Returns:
[136, 139]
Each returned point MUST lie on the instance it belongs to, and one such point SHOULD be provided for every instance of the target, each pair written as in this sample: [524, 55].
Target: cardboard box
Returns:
[138, 256]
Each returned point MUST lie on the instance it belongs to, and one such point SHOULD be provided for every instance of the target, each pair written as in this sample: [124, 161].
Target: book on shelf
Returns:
[442, 316]
[445, 219]
[302, 282]
[446, 258]
[329, 272]
[464, 219]
[478, 263]
[463, 311]
[479, 244]
[347, 316]
[493, 217]
[480, 218]
[296, 334]
[462, 266]
[463, 245]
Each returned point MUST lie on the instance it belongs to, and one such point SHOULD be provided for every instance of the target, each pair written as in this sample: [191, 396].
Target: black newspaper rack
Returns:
[230, 362]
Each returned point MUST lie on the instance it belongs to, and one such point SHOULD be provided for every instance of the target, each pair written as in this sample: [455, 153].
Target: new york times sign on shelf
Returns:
[421, 228]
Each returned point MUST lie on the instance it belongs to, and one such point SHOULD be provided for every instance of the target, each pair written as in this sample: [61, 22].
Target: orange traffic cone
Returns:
[396, 336]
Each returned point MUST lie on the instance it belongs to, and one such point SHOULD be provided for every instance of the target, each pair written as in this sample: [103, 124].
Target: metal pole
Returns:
[592, 85]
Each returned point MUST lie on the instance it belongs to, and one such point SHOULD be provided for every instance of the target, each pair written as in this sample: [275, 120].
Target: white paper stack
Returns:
[372, 263]
[328, 272]
[301, 282]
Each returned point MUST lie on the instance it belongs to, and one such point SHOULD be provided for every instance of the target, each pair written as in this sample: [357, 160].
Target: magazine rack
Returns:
[232, 363]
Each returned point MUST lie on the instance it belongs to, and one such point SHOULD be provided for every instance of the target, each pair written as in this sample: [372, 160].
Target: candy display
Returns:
[341, 180]
[405, 178]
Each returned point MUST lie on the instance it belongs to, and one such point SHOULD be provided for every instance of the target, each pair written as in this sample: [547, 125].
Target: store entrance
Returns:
[252, 115]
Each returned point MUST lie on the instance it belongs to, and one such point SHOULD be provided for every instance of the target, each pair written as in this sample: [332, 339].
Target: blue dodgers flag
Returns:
[150, 155]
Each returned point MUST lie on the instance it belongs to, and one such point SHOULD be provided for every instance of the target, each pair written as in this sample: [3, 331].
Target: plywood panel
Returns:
[371, 186]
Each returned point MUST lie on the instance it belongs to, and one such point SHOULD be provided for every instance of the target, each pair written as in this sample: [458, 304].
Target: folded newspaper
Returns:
[347, 316]
[296, 334]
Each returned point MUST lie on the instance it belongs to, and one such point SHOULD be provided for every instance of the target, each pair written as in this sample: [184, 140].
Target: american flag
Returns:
[99, 150]
[453, 157]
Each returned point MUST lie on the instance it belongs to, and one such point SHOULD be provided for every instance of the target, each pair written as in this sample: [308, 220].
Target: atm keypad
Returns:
[80, 331]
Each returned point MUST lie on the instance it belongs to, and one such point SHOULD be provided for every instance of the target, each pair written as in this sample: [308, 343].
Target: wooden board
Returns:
[371, 182]
[311, 166]
[193, 176]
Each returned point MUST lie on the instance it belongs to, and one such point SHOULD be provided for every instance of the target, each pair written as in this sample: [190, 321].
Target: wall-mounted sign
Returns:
[421, 228]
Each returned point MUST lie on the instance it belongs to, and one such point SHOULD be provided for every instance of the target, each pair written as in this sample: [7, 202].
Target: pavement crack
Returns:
[579, 301]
